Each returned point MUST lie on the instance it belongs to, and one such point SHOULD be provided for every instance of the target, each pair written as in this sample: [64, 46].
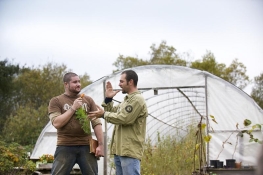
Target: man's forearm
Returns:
[99, 134]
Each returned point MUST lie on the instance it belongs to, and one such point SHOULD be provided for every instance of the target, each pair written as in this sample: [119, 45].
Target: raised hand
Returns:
[96, 114]
[110, 93]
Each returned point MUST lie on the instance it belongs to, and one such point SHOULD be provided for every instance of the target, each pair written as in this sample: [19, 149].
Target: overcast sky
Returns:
[88, 36]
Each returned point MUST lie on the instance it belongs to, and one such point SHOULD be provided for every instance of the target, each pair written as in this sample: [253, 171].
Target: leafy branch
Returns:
[241, 132]
[83, 119]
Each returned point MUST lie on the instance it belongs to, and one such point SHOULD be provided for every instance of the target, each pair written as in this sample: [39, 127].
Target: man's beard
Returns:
[124, 92]
[74, 91]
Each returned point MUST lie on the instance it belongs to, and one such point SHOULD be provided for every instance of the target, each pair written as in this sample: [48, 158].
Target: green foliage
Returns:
[84, 120]
[247, 122]
[38, 86]
[85, 80]
[25, 125]
[209, 64]
[8, 72]
[169, 156]
[14, 160]
[235, 73]
[29, 167]
[257, 90]
[164, 54]
[248, 131]
[128, 62]
[46, 158]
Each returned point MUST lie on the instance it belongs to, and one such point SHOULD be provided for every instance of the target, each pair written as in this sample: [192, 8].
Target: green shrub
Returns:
[14, 160]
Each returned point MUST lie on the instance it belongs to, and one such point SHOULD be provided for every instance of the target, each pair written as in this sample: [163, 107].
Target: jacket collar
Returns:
[132, 94]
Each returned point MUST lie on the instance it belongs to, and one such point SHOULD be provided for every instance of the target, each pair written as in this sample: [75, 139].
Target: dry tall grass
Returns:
[170, 156]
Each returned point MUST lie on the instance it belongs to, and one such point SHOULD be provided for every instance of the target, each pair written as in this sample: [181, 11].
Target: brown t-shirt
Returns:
[71, 133]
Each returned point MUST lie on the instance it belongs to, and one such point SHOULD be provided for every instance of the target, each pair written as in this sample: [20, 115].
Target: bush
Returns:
[14, 159]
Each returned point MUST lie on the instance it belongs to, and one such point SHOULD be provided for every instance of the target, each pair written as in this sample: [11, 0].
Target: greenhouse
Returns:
[178, 97]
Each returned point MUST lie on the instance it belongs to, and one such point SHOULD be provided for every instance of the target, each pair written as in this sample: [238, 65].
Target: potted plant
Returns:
[46, 161]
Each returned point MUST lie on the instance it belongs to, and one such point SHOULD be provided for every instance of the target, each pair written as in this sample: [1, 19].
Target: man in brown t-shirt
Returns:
[72, 140]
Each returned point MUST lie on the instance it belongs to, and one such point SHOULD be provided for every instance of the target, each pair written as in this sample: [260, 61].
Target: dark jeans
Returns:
[67, 156]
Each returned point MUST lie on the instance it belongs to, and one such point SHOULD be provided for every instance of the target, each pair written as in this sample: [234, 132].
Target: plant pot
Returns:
[230, 163]
[220, 164]
[213, 163]
[238, 165]
[45, 165]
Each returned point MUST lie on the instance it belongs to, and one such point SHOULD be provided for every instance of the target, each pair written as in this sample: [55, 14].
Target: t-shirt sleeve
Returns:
[54, 106]
[93, 107]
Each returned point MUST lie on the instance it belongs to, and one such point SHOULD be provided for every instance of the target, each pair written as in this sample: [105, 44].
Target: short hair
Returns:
[67, 76]
[130, 74]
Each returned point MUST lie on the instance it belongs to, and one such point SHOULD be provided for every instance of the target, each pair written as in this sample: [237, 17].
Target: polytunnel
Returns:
[176, 98]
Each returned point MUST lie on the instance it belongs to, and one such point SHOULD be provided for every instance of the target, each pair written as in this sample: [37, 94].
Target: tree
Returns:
[38, 85]
[8, 72]
[128, 62]
[85, 80]
[25, 125]
[209, 64]
[235, 73]
[164, 54]
[257, 90]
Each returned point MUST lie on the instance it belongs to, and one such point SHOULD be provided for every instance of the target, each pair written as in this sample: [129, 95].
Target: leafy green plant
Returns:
[14, 159]
[82, 116]
[47, 158]
[247, 129]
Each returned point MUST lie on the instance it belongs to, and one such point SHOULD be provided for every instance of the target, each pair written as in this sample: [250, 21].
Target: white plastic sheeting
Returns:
[176, 98]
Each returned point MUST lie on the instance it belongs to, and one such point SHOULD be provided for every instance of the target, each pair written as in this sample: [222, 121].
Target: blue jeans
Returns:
[67, 156]
[127, 165]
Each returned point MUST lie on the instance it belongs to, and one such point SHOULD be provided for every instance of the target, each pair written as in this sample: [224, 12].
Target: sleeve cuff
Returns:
[108, 100]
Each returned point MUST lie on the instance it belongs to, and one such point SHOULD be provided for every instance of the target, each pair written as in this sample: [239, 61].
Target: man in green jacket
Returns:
[129, 118]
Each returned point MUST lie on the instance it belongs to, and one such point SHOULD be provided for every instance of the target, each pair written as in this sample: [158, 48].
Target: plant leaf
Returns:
[207, 138]
[256, 126]
[247, 122]
[83, 120]
[214, 121]
[203, 126]
[211, 116]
